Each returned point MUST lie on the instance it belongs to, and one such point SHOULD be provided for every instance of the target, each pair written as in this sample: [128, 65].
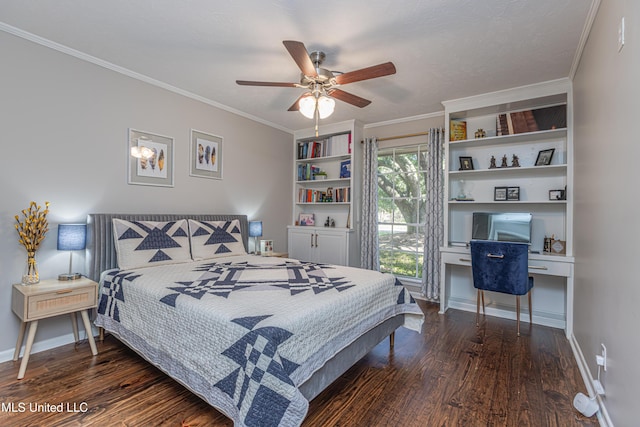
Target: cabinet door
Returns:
[331, 248]
[301, 243]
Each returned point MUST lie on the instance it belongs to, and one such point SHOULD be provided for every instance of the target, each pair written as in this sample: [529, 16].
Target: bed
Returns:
[255, 337]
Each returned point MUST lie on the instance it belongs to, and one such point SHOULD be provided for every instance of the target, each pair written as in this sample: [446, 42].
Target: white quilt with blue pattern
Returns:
[244, 332]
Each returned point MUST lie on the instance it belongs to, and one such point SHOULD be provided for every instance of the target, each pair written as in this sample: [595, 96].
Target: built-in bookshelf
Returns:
[511, 152]
[521, 145]
[325, 188]
[323, 177]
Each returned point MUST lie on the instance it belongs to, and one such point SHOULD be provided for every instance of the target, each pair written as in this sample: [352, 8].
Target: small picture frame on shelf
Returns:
[307, 219]
[556, 195]
[544, 157]
[466, 163]
[500, 194]
[513, 193]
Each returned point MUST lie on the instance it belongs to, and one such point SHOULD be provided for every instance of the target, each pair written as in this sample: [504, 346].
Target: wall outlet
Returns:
[601, 359]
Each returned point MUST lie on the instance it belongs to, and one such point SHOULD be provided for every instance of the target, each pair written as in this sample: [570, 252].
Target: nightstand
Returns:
[52, 298]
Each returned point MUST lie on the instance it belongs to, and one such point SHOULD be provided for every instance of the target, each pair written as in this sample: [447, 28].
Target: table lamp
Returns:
[255, 231]
[71, 237]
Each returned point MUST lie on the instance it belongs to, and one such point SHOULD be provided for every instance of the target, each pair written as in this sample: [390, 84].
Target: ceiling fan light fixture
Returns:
[326, 106]
[307, 106]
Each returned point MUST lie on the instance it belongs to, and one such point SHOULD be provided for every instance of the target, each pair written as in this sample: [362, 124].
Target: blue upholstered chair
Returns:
[501, 267]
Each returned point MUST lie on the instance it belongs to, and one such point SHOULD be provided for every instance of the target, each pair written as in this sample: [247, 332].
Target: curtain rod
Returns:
[409, 135]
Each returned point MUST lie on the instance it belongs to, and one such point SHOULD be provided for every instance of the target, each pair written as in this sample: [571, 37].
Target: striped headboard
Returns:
[101, 250]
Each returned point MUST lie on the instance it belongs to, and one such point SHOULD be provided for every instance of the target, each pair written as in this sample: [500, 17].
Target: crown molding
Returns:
[129, 73]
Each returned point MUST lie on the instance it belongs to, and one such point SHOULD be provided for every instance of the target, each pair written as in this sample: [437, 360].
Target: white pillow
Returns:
[215, 239]
[149, 243]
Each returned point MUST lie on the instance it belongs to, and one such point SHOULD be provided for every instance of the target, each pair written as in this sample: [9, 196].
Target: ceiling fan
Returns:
[321, 84]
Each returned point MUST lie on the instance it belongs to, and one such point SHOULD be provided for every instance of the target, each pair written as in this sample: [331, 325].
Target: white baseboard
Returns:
[47, 344]
[603, 415]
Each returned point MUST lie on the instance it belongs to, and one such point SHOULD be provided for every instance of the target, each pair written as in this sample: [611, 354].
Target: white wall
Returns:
[63, 135]
[607, 205]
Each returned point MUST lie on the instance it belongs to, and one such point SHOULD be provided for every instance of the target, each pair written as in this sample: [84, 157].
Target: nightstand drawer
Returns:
[60, 302]
[53, 298]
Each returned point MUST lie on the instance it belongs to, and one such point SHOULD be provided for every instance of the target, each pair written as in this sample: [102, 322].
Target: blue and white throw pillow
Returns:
[214, 239]
[149, 243]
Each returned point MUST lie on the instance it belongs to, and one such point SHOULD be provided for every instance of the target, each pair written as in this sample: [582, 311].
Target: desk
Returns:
[539, 264]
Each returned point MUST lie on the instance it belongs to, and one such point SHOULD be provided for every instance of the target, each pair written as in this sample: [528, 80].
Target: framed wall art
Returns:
[149, 159]
[206, 155]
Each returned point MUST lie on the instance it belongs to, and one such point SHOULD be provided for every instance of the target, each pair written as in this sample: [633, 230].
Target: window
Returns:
[402, 177]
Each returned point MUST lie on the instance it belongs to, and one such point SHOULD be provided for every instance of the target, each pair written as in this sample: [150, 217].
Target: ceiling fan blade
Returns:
[349, 98]
[366, 73]
[299, 54]
[295, 106]
[277, 84]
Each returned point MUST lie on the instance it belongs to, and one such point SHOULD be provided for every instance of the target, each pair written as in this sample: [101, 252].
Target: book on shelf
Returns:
[457, 130]
[345, 169]
[330, 195]
[335, 145]
[307, 171]
[546, 118]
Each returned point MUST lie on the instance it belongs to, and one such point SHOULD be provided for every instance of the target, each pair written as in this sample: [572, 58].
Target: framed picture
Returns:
[513, 193]
[307, 219]
[556, 195]
[500, 194]
[266, 246]
[466, 163]
[206, 155]
[544, 157]
[149, 159]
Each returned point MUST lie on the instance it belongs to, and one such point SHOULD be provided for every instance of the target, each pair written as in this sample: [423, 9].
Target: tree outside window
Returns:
[402, 175]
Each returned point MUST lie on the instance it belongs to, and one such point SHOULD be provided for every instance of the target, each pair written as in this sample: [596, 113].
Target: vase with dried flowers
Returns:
[31, 232]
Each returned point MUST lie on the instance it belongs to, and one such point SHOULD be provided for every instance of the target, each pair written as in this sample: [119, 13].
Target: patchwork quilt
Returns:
[244, 332]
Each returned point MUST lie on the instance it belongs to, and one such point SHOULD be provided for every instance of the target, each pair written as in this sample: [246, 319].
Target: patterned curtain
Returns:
[369, 258]
[434, 224]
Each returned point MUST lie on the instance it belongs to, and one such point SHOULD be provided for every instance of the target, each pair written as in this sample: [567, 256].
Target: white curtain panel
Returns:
[434, 223]
[369, 257]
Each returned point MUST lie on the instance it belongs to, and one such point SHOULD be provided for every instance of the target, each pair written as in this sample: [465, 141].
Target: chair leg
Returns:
[530, 312]
[478, 307]
[518, 313]
[482, 294]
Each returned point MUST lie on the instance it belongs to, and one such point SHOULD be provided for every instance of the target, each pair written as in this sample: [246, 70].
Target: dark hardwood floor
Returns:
[453, 374]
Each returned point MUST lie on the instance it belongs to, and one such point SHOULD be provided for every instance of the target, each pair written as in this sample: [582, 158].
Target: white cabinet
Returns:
[326, 186]
[323, 245]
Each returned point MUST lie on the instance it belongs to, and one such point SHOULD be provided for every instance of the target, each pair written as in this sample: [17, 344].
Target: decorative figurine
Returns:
[333, 222]
[480, 133]
[515, 162]
[504, 162]
[326, 223]
[492, 165]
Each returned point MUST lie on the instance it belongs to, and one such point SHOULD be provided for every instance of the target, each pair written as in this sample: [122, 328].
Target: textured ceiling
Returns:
[442, 49]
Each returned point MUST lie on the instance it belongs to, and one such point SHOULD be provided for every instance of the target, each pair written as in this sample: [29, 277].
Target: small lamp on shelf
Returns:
[255, 231]
[71, 237]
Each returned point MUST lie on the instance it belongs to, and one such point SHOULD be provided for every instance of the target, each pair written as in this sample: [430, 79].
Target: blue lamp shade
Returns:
[72, 237]
[255, 228]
